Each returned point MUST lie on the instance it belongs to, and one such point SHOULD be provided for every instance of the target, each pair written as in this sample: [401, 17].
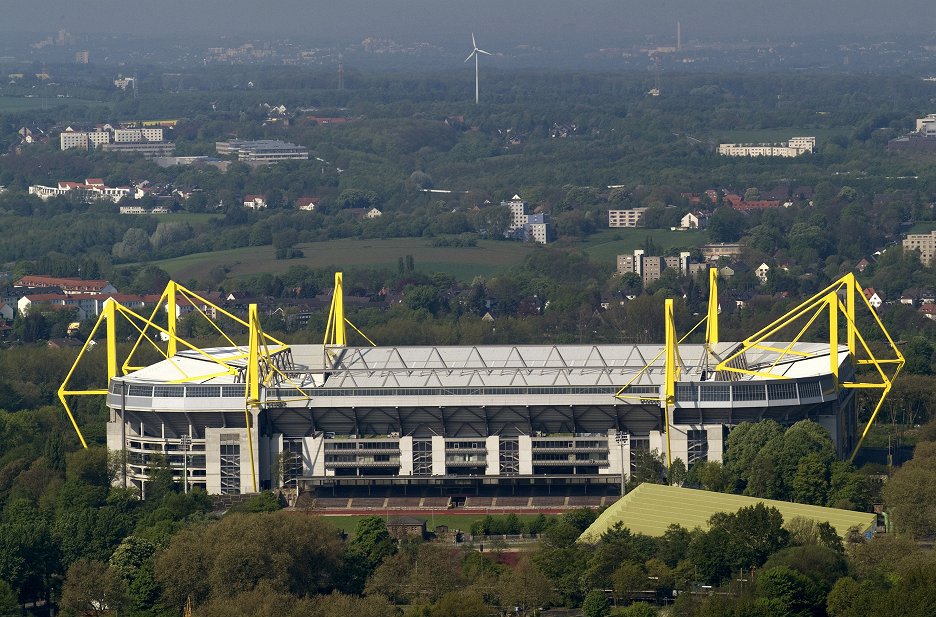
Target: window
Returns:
[509, 456]
[781, 391]
[292, 461]
[422, 457]
[698, 445]
[749, 392]
[810, 389]
[230, 464]
[714, 392]
[638, 444]
[202, 391]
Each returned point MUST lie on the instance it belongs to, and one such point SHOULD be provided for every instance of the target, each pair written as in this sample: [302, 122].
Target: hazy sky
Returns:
[495, 21]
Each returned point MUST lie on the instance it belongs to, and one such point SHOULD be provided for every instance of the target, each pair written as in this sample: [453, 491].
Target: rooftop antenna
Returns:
[340, 71]
[475, 50]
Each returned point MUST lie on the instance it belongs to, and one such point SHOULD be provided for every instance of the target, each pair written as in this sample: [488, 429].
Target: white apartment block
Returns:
[926, 122]
[626, 218]
[795, 147]
[925, 243]
[138, 135]
[106, 136]
[650, 267]
[539, 232]
[517, 212]
[71, 139]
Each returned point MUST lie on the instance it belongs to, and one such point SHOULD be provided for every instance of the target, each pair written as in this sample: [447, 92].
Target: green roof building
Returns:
[651, 508]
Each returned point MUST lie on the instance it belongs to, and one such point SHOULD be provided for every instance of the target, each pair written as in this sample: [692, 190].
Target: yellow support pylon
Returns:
[711, 317]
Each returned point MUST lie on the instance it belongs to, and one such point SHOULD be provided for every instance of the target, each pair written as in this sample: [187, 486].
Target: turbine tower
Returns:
[474, 54]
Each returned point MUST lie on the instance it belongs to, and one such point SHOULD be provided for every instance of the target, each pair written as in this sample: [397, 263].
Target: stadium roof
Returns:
[651, 508]
[488, 365]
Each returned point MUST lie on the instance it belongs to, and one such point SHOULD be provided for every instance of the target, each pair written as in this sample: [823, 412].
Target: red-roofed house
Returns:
[873, 298]
[308, 204]
[69, 286]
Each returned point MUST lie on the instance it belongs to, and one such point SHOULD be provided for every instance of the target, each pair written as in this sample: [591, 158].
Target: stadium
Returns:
[463, 422]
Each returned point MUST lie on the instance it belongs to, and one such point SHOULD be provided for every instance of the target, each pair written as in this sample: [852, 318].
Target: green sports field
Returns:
[606, 245]
[454, 521]
[463, 263]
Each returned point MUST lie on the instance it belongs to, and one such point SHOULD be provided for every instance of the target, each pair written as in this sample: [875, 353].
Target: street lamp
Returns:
[622, 438]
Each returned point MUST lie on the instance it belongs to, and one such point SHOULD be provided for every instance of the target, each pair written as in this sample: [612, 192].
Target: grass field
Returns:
[454, 521]
[485, 259]
[606, 245]
[20, 103]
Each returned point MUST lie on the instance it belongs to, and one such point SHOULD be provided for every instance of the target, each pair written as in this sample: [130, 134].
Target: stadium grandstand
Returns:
[504, 426]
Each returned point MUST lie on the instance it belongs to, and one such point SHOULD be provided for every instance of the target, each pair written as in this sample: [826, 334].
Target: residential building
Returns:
[925, 243]
[92, 189]
[650, 267]
[626, 218]
[873, 298]
[373, 213]
[69, 286]
[262, 150]
[518, 209]
[255, 202]
[694, 220]
[761, 272]
[307, 204]
[713, 252]
[794, 147]
[149, 149]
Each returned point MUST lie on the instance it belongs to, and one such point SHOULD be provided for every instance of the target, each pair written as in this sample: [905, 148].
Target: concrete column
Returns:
[492, 443]
[438, 455]
[213, 460]
[679, 442]
[716, 442]
[406, 456]
[526, 455]
[313, 455]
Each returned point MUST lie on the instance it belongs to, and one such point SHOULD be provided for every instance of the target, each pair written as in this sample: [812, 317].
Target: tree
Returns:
[134, 561]
[736, 541]
[461, 603]
[676, 475]
[9, 603]
[714, 476]
[744, 443]
[628, 578]
[368, 548]
[596, 604]
[911, 491]
[811, 482]
[792, 590]
[91, 588]
[726, 224]
[299, 555]
[524, 587]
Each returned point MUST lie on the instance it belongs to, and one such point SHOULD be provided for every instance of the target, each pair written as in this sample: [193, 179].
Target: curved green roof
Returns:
[651, 508]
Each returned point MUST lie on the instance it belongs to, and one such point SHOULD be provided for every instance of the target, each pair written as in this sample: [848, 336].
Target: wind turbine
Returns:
[474, 54]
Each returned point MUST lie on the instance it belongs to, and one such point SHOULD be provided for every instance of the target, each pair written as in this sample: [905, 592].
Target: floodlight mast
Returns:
[475, 50]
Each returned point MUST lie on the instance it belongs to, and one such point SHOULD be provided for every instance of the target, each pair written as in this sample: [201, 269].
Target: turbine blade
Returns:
[486, 53]
[470, 56]
[473, 44]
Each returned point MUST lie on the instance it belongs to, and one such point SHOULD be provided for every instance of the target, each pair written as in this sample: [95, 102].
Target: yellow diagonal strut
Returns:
[839, 299]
